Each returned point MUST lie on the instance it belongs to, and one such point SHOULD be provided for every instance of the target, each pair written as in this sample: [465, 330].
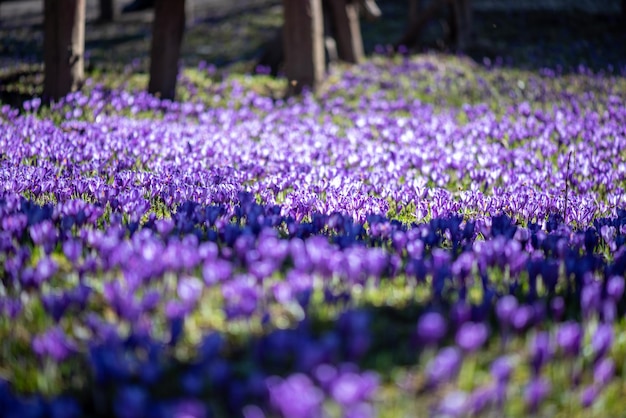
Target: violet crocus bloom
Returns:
[431, 328]
[480, 398]
[557, 307]
[590, 299]
[609, 310]
[216, 271]
[604, 371]
[589, 395]
[325, 374]
[602, 340]
[72, 249]
[252, 411]
[296, 396]
[189, 408]
[46, 268]
[454, 404]
[445, 366]
[360, 410]
[471, 336]
[189, 290]
[54, 344]
[522, 317]
[55, 304]
[505, 307]
[615, 287]
[536, 391]
[351, 388]
[501, 369]
[569, 338]
[540, 351]
[460, 313]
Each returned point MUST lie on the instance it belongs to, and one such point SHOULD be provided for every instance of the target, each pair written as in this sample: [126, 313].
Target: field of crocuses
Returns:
[425, 237]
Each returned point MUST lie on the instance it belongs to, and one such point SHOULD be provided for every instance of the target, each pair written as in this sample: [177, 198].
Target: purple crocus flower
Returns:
[46, 268]
[189, 408]
[216, 271]
[522, 317]
[296, 396]
[431, 328]
[72, 249]
[444, 367]
[460, 313]
[480, 398]
[325, 374]
[536, 391]
[471, 336]
[603, 372]
[590, 298]
[609, 310]
[501, 369]
[602, 340]
[557, 307]
[252, 411]
[569, 338]
[54, 344]
[351, 388]
[505, 307]
[360, 410]
[45, 234]
[454, 404]
[189, 290]
[588, 395]
[615, 287]
[55, 304]
[540, 351]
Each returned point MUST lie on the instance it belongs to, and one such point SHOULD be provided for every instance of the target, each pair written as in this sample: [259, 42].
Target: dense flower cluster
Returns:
[264, 258]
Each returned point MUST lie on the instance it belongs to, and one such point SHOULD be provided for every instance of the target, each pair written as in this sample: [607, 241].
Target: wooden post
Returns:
[347, 30]
[64, 47]
[167, 36]
[303, 40]
[109, 10]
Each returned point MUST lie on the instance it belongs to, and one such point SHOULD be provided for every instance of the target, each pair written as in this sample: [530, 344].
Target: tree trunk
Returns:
[167, 36]
[109, 10]
[415, 7]
[303, 40]
[409, 38]
[463, 23]
[347, 30]
[64, 47]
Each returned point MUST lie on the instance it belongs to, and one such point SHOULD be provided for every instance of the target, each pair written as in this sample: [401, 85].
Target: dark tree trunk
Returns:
[64, 47]
[167, 36]
[415, 7]
[347, 30]
[303, 40]
[109, 10]
[416, 25]
[460, 22]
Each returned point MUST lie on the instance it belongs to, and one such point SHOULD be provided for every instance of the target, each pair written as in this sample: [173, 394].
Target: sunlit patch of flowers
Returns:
[362, 253]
